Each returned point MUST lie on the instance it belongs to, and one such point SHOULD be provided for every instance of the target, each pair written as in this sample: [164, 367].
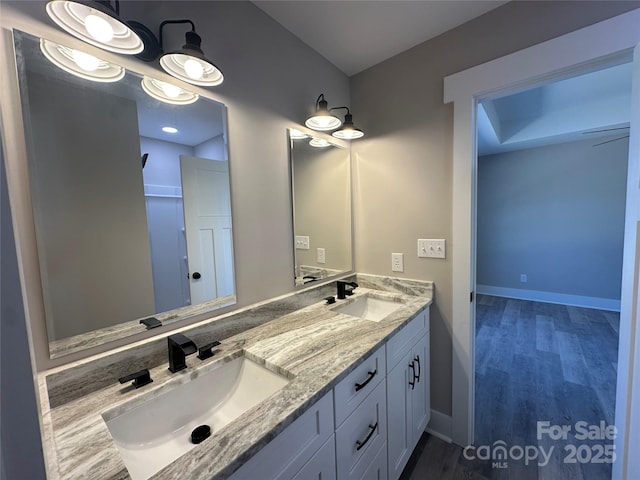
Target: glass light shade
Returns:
[323, 121]
[80, 64]
[166, 92]
[94, 24]
[191, 69]
[348, 133]
[319, 142]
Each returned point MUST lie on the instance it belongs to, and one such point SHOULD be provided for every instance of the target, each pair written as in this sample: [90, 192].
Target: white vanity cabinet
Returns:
[408, 393]
[305, 449]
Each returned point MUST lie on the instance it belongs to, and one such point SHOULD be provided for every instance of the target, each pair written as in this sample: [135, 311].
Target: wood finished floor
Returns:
[534, 362]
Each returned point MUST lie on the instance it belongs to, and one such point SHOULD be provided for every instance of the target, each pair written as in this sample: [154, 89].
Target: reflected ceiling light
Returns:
[97, 23]
[166, 92]
[80, 64]
[319, 142]
[296, 134]
[170, 129]
[323, 120]
[348, 131]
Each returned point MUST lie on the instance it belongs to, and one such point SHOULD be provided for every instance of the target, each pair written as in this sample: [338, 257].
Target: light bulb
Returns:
[170, 129]
[98, 28]
[194, 69]
[86, 62]
[171, 91]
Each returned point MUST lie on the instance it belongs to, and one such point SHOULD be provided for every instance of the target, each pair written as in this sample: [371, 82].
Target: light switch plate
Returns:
[431, 248]
[320, 258]
[302, 242]
[397, 262]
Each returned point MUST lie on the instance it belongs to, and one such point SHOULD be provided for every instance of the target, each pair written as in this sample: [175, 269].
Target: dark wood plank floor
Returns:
[534, 362]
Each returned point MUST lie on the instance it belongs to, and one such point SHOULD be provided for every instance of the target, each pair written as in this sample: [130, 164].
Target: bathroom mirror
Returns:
[321, 199]
[130, 198]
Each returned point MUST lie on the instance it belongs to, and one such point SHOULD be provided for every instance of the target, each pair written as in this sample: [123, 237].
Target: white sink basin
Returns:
[369, 308]
[155, 433]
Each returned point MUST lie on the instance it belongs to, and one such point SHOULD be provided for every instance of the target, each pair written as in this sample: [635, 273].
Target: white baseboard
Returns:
[550, 297]
[440, 426]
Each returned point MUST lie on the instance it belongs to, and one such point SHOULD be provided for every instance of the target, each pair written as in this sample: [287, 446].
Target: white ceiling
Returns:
[355, 35]
[573, 109]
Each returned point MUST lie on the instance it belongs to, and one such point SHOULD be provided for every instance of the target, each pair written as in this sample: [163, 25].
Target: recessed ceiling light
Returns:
[170, 129]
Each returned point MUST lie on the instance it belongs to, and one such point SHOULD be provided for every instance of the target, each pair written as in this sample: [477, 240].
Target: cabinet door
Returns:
[399, 431]
[322, 465]
[377, 469]
[420, 395]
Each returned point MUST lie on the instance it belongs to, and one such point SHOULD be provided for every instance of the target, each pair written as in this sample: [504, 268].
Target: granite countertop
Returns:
[314, 346]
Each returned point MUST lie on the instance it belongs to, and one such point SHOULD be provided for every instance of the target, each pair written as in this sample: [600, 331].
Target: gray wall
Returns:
[556, 214]
[404, 164]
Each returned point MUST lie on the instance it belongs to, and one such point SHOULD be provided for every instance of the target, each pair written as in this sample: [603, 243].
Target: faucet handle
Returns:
[140, 378]
[207, 351]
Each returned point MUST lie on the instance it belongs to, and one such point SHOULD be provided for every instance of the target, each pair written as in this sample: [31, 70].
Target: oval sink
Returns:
[369, 308]
[155, 433]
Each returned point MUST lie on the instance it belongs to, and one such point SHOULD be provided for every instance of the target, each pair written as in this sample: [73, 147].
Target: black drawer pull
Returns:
[372, 428]
[360, 386]
[417, 359]
[412, 382]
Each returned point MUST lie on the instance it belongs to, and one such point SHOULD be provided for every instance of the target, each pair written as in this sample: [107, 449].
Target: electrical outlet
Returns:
[320, 258]
[431, 248]
[302, 242]
[397, 262]
[523, 278]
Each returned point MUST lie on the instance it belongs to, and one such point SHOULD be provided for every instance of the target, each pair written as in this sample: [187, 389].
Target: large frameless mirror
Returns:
[129, 180]
[321, 199]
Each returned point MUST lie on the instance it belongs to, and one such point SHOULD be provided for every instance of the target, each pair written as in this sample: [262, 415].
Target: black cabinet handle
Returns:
[412, 382]
[372, 428]
[360, 386]
[417, 359]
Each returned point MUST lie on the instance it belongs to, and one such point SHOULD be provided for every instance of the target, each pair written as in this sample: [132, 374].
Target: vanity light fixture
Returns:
[167, 92]
[319, 142]
[170, 129]
[95, 22]
[323, 120]
[348, 131]
[80, 64]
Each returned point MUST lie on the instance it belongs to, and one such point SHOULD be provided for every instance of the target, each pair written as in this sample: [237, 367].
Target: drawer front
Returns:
[322, 465]
[401, 342]
[378, 467]
[362, 435]
[358, 384]
[286, 454]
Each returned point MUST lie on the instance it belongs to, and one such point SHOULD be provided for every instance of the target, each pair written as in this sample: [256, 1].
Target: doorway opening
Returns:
[550, 198]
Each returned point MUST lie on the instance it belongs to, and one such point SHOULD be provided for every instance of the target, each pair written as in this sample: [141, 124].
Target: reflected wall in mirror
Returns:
[321, 190]
[130, 198]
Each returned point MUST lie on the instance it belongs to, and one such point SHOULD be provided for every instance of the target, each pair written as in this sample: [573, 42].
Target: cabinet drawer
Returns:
[377, 469]
[286, 454]
[362, 435]
[401, 342]
[358, 384]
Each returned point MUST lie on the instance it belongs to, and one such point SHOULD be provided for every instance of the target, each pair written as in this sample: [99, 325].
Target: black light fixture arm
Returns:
[341, 108]
[166, 22]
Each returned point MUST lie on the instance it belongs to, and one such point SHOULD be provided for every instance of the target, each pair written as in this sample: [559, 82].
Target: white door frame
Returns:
[609, 42]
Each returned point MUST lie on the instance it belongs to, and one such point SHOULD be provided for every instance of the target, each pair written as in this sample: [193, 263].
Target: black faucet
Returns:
[179, 347]
[344, 290]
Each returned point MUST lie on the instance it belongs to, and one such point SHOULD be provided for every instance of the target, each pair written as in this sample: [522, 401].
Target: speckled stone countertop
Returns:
[314, 346]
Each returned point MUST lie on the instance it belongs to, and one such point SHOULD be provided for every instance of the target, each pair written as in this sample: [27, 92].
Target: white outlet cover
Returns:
[397, 262]
[320, 255]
